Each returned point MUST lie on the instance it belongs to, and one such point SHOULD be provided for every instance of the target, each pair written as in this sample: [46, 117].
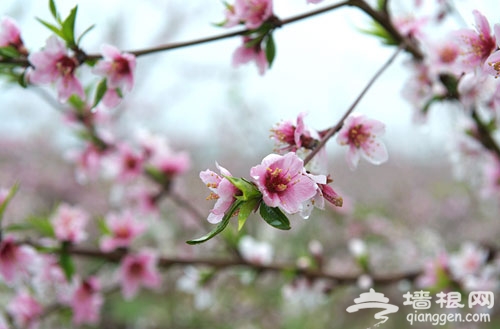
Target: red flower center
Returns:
[357, 136]
[276, 181]
[66, 65]
[121, 66]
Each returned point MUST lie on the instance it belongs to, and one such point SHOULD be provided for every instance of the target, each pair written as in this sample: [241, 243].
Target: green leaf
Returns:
[103, 226]
[84, 33]
[270, 49]
[100, 91]
[39, 224]
[68, 27]
[9, 52]
[51, 27]
[380, 32]
[76, 102]
[274, 217]
[66, 262]
[245, 211]
[248, 189]
[22, 80]
[156, 175]
[381, 4]
[53, 10]
[9, 197]
[222, 225]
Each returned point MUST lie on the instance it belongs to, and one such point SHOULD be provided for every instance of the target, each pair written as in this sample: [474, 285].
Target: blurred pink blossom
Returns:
[362, 134]
[492, 63]
[69, 223]
[222, 190]
[15, 260]
[467, 261]
[54, 65]
[476, 46]
[244, 54]
[25, 310]
[124, 228]
[10, 35]
[252, 13]
[433, 269]
[255, 252]
[139, 270]
[283, 182]
[87, 301]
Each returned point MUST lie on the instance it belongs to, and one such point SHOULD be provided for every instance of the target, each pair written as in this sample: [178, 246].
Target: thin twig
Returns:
[332, 131]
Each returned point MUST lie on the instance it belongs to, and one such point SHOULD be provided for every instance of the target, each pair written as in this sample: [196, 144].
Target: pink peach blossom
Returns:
[252, 13]
[290, 136]
[139, 269]
[124, 229]
[283, 182]
[25, 310]
[222, 190]
[492, 63]
[10, 35]
[69, 223]
[467, 261]
[244, 54]
[15, 260]
[432, 270]
[476, 46]
[129, 162]
[117, 67]
[87, 301]
[54, 65]
[361, 134]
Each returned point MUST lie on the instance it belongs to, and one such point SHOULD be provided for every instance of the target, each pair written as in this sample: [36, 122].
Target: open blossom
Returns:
[126, 163]
[244, 54]
[467, 261]
[492, 63]
[25, 310]
[222, 190]
[138, 270]
[69, 223]
[283, 182]
[250, 12]
[14, 259]
[124, 228]
[87, 301]
[255, 252]
[476, 45]
[10, 35]
[118, 69]
[54, 65]
[361, 134]
[291, 136]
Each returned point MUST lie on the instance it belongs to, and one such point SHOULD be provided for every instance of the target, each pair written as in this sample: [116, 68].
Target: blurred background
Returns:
[406, 210]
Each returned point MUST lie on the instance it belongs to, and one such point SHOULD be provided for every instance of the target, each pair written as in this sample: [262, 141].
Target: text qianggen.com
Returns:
[442, 319]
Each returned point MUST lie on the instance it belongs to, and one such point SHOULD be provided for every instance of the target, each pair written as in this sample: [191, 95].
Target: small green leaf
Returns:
[51, 27]
[53, 10]
[41, 225]
[270, 49]
[274, 217]
[156, 175]
[9, 52]
[22, 80]
[381, 4]
[103, 226]
[7, 199]
[380, 32]
[76, 102]
[245, 211]
[222, 225]
[66, 262]
[252, 43]
[100, 91]
[68, 27]
[84, 33]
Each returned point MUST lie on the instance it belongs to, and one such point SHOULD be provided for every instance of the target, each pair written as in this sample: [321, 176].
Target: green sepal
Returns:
[66, 262]
[101, 89]
[222, 225]
[245, 211]
[68, 28]
[9, 197]
[270, 49]
[76, 102]
[21, 79]
[248, 189]
[274, 217]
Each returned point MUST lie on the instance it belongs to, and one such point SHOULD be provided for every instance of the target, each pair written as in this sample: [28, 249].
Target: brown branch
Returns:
[220, 264]
[484, 136]
[333, 130]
